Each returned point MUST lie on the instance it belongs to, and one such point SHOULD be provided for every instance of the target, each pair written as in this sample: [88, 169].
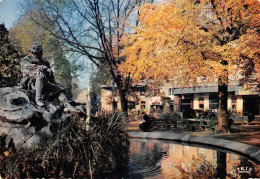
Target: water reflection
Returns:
[154, 159]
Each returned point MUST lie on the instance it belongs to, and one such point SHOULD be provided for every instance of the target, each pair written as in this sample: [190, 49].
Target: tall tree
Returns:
[191, 39]
[63, 69]
[92, 28]
[26, 31]
[10, 72]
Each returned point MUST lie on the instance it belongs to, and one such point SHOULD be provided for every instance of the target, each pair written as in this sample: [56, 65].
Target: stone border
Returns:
[248, 151]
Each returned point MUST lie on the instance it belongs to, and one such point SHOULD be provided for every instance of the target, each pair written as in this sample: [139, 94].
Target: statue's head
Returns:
[36, 49]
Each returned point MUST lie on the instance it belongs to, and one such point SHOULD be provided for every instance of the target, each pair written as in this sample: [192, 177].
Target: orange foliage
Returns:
[184, 40]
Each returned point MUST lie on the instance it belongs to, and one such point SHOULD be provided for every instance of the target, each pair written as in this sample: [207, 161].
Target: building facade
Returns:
[242, 100]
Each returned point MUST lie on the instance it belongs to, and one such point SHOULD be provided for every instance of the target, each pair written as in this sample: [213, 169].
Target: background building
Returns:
[242, 100]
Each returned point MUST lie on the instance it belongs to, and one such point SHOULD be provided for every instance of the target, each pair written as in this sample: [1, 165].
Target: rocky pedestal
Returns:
[23, 122]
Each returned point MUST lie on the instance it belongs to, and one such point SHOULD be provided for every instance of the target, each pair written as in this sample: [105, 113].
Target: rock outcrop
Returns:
[23, 122]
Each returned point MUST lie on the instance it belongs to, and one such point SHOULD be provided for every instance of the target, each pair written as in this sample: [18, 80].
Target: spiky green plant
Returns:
[74, 152]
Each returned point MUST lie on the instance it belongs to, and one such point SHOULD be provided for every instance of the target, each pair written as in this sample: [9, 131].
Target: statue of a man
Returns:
[38, 76]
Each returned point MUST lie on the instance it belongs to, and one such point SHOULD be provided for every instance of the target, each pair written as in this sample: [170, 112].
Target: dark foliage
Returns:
[189, 113]
[10, 72]
[74, 152]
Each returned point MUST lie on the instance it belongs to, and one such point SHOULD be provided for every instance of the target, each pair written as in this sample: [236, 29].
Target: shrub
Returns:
[74, 152]
[172, 117]
[208, 115]
[109, 132]
[189, 113]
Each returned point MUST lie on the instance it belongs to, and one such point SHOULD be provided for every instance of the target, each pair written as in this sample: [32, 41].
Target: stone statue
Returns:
[38, 76]
[21, 121]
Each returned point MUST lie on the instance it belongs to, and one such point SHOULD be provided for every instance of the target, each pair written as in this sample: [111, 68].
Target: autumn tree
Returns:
[10, 72]
[182, 40]
[248, 53]
[91, 28]
[25, 31]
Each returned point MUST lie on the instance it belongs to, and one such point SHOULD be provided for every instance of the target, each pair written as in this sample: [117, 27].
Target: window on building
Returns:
[233, 103]
[171, 91]
[233, 107]
[201, 102]
[186, 103]
[131, 105]
[142, 93]
[156, 107]
[233, 99]
[143, 146]
[171, 105]
[142, 104]
[213, 102]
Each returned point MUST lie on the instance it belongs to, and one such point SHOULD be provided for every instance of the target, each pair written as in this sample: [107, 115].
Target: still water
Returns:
[163, 159]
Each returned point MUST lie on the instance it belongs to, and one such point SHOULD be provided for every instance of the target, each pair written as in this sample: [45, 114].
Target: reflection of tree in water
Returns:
[202, 168]
[221, 168]
[197, 168]
[147, 162]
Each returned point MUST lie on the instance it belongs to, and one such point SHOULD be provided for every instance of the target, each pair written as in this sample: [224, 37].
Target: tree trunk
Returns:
[113, 97]
[123, 100]
[122, 92]
[222, 106]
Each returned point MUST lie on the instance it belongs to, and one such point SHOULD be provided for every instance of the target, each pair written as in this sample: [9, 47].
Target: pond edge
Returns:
[245, 150]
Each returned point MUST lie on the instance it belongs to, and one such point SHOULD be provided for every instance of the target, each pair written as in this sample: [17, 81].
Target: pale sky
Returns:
[9, 12]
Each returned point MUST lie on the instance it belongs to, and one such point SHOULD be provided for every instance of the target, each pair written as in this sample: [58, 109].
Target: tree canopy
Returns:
[25, 31]
[10, 72]
[184, 40]
[91, 28]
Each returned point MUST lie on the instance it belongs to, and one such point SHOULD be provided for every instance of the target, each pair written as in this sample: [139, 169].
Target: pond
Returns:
[164, 159]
